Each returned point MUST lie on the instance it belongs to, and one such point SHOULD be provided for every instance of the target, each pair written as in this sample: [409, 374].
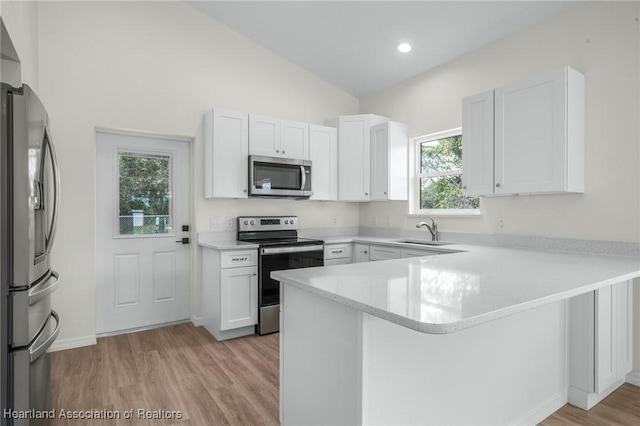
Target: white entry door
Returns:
[142, 218]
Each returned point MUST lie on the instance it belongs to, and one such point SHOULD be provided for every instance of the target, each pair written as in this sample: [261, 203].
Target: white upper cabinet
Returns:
[477, 144]
[389, 161]
[323, 153]
[538, 140]
[226, 147]
[294, 139]
[274, 137]
[354, 138]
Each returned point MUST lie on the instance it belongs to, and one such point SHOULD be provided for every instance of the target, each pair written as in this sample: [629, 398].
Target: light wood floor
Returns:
[235, 382]
[181, 368]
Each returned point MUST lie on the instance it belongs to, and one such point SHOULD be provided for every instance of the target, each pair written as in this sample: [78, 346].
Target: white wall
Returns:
[21, 20]
[599, 39]
[157, 67]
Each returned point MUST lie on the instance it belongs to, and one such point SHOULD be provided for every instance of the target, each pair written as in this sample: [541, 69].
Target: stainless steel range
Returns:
[279, 248]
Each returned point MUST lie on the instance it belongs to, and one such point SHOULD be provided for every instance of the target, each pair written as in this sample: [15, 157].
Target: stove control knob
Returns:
[286, 221]
[253, 222]
[292, 221]
[246, 222]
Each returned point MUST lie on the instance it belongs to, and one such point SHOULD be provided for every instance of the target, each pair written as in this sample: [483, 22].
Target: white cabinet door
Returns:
[294, 139]
[238, 297]
[323, 153]
[389, 161]
[383, 253]
[477, 144]
[264, 135]
[354, 155]
[360, 253]
[600, 343]
[226, 147]
[404, 253]
[539, 134]
[273, 137]
[613, 334]
[379, 162]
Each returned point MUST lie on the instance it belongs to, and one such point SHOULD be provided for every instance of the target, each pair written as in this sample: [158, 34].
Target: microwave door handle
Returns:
[56, 191]
[304, 178]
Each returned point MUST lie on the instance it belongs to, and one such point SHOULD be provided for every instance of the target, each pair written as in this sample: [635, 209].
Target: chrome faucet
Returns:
[433, 228]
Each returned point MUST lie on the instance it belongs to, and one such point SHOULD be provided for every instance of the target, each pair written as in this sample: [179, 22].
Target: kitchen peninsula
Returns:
[482, 336]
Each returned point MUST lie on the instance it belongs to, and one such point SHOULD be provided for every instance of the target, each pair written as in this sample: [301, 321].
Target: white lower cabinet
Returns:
[337, 254]
[360, 253]
[383, 253]
[404, 253]
[600, 343]
[230, 292]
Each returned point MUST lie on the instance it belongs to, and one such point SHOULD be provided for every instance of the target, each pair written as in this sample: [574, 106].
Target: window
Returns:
[144, 194]
[437, 179]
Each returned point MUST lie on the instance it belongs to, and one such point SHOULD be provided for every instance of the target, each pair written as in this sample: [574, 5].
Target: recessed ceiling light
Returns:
[404, 47]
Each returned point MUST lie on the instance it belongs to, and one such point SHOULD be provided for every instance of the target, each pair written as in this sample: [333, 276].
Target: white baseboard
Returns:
[544, 410]
[75, 342]
[587, 400]
[197, 321]
[633, 378]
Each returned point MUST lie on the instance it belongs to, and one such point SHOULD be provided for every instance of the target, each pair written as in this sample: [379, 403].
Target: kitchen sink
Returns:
[426, 242]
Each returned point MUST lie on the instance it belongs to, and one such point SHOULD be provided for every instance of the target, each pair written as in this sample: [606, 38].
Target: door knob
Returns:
[185, 240]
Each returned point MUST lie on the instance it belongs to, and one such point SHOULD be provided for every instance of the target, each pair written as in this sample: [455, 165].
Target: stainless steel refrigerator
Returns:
[29, 192]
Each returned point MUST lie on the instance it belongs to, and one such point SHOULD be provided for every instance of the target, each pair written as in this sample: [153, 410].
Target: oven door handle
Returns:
[295, 249]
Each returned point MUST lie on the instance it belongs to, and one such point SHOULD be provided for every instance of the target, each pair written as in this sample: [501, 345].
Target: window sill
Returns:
[449, 213]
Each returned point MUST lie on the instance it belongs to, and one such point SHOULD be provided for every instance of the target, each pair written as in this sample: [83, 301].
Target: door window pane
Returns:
[144, 194]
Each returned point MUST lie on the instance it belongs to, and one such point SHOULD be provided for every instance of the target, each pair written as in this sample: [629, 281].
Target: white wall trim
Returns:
[543, 410]
[75, 342]
[633, 378]
[197, 321]
[142, 133]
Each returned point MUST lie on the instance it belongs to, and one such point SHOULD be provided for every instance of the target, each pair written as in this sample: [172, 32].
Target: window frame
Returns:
[415, 176]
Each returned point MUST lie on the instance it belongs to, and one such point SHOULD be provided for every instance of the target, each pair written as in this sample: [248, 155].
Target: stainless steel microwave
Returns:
[279, 177]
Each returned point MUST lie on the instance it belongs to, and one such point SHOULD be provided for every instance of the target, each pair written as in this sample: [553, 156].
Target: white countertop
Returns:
[449, 292]
[225, 245]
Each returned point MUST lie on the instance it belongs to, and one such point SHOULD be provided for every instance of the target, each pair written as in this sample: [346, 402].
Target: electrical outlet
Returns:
[214, 222]
[229, 222]
[501, 223]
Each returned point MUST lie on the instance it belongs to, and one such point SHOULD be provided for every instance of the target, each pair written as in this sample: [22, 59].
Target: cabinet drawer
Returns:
[384, 253]
[404, 253]
[337, 251]
[236, 259]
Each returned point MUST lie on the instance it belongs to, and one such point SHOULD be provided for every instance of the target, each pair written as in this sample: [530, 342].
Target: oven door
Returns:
[278, 259]
[279, 177]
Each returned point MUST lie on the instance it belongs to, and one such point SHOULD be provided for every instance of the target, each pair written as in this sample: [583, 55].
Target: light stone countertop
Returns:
[449, 292]
[226, 245]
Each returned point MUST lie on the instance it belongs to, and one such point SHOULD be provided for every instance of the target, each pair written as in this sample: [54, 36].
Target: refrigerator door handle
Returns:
[37, 352]
[56, 191]
[37, 294]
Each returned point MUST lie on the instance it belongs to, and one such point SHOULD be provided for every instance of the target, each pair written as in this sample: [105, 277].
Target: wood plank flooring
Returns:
[183, 368]
[177, 368]
[622, 408]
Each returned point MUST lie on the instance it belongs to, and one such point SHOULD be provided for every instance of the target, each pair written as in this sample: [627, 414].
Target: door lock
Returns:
[185, 240]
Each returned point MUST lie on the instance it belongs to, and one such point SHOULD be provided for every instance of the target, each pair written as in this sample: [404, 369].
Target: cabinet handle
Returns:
[366, 193]
[498, 185]
[244, 190]
[385, 192]
[464, 187]
[277, 150]
[365, 252]
[283, 151]
[254, 274]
